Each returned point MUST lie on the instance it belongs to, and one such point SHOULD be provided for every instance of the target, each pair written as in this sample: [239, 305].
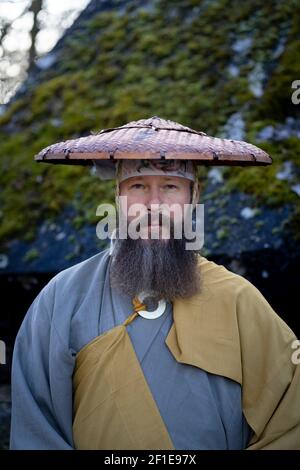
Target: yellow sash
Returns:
[113, 405]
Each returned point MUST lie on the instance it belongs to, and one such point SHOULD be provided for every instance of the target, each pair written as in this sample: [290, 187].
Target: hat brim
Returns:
[154, 139]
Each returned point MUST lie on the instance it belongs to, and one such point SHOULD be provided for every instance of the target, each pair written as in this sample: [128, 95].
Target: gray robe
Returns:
[200, 410]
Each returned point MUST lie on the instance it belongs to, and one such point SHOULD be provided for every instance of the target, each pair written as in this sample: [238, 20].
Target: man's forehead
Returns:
[154, 178]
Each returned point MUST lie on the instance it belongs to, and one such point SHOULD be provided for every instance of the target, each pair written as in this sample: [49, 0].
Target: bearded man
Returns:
[149, 345]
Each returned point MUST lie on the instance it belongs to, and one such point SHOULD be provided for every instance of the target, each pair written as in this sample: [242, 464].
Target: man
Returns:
[152, 346]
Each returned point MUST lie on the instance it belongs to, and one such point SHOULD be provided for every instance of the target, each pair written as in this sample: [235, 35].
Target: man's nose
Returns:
[153, 198]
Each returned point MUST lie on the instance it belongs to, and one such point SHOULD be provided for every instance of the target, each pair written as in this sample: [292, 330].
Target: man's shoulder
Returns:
[217, 279]
[226, 288]
[83, 271]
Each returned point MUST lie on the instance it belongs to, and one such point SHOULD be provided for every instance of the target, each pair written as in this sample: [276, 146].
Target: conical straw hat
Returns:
[154, 138]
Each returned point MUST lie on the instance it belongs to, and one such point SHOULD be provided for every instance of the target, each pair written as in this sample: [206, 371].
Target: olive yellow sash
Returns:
[113, 405]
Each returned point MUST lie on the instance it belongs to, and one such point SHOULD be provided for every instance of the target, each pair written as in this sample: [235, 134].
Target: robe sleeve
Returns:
[41, 381]
[270, 376]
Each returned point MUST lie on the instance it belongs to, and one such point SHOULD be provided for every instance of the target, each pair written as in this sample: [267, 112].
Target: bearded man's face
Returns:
[157, 262]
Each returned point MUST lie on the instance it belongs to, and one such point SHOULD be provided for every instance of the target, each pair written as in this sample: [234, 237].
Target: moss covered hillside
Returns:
[224, 67]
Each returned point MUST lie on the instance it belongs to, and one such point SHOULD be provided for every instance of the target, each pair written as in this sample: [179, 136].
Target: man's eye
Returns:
[137, 186]
[171, 186]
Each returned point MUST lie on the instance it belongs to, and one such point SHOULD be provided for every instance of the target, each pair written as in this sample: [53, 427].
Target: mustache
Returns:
[159, 218]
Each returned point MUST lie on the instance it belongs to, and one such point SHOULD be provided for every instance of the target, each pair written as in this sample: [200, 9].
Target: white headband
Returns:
[129, 168]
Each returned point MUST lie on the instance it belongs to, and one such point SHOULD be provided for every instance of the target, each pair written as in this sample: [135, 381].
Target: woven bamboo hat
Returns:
[153, 138]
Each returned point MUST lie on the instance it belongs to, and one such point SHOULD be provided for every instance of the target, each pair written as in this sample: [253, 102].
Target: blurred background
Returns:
[228, 68]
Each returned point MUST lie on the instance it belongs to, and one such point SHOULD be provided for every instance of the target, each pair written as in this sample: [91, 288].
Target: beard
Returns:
[164, 269]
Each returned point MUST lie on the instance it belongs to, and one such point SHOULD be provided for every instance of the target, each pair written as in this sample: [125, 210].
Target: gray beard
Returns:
[162, 268]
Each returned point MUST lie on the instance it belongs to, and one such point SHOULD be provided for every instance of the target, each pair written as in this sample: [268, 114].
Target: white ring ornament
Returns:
[155, 313]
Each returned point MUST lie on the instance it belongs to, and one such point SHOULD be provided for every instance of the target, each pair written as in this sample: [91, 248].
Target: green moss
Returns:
[226, 220]
[276, 230]
[12, 110]
[276, 101]
[71, 239]
[205, 252]
[215, 245]
[30, 235]
[259, 224]
[70, 256]
[222, 234]
[211, 210]
[31, 255]
[262, 181]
